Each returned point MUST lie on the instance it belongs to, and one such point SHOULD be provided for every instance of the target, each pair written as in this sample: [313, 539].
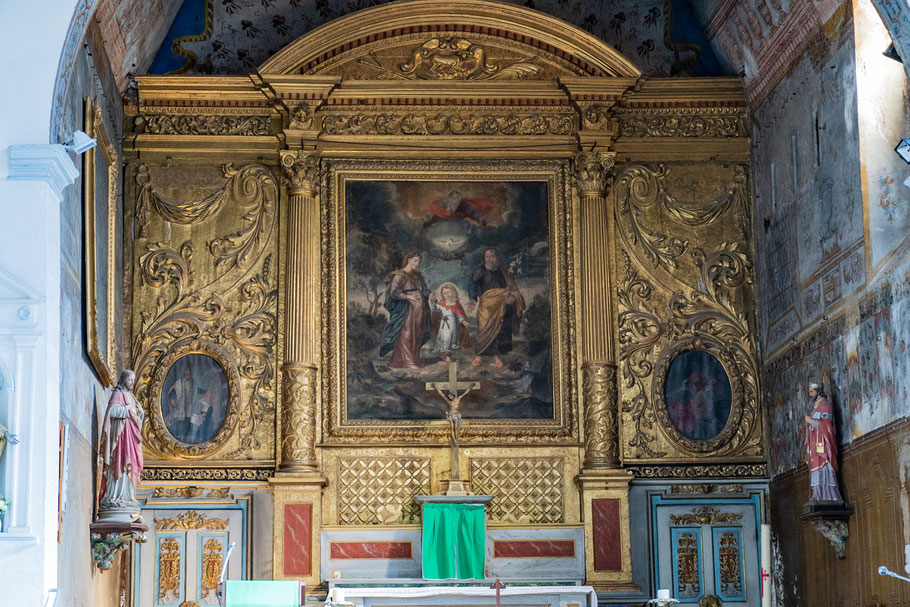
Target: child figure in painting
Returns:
[452, 333]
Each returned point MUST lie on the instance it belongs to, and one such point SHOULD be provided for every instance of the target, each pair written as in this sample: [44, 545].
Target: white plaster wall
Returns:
[884, 119]
[32, 35]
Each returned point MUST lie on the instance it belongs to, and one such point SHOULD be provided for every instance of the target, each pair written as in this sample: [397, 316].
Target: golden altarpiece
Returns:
[236, 193]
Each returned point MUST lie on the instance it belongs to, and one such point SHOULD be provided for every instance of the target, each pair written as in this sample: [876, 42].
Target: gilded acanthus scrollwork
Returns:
[601, 429]
[706, 515]
[184, 124]
[458, 123]
[456, 58]
[674, 297]
[190, 520]
[223, 304]
[298, 416]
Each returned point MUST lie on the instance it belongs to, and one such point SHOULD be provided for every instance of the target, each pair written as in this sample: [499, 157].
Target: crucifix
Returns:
[449, 391]
[498, 586]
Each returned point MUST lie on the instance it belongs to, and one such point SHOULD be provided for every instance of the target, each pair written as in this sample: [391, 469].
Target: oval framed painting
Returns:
[196, 398]
[696, 396]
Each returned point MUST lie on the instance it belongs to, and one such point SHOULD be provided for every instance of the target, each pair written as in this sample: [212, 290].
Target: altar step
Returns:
[473, 593]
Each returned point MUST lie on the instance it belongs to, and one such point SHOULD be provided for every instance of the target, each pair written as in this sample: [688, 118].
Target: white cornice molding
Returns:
[49, 163]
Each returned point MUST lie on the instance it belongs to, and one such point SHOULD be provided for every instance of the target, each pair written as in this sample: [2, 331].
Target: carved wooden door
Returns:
[182, 559]
[707, 549]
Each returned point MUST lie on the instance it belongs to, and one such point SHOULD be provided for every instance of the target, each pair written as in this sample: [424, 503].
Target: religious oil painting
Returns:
[194, 399]
[698, 395]
[441, 272]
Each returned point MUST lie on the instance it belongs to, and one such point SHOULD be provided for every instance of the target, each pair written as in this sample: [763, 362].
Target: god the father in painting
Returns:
[821, 448]
[120, 454]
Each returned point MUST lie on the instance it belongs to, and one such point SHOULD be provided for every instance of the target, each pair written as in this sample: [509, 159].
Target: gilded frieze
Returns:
[205, 310]
[702, 122]
[438, 123]
[684, 293]
[166, 124]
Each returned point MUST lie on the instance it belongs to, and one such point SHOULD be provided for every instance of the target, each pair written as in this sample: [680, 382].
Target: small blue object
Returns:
[261, 593]
[903, 150]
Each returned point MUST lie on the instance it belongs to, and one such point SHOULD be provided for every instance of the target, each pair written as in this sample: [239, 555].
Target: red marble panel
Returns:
[607, 535]
[298, 550]
[370, 550]
[519, 549]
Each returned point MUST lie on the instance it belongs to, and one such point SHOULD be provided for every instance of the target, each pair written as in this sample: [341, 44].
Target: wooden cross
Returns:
[449, 391]
[498, 586]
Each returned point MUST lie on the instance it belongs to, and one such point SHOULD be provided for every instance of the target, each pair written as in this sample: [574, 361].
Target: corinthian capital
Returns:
[593, 172]
[302, 172]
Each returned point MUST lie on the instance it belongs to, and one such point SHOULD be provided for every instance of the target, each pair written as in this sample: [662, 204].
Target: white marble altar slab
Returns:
[533, 567]
[371, 568]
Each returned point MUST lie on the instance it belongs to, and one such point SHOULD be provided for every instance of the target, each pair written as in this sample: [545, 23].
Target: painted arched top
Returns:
[516, 25]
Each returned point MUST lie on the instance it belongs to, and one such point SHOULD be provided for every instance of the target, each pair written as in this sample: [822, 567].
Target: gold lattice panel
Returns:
[527, 489]
[380, 491]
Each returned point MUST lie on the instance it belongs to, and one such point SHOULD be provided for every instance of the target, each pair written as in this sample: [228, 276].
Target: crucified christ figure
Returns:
[449, 392]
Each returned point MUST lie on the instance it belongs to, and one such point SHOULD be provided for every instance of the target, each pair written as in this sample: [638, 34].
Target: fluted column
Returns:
[301, 313]
[593, 172]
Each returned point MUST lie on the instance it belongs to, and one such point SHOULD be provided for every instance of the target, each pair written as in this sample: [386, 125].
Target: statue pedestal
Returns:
[109, 538]
[831, 519]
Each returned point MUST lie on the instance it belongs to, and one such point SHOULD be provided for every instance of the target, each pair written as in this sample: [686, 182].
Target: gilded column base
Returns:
[605, 508]
[298, 419]
[601, 428]
[297, 516]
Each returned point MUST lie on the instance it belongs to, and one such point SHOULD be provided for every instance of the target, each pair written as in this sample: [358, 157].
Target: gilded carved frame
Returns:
[337, 429]
[156, 417]
[101, 355]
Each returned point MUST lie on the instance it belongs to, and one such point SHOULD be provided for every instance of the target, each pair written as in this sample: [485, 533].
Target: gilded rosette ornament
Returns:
[298, 421]
[593, 171]
[601, 430]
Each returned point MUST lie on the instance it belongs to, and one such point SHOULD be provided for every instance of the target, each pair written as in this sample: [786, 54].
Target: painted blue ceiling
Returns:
[239, 35]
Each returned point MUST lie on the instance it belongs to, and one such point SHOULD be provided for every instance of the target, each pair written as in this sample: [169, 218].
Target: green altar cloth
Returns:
[453, 541]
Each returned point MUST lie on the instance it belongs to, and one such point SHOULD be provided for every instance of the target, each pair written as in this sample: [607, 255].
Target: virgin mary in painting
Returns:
[409, 318]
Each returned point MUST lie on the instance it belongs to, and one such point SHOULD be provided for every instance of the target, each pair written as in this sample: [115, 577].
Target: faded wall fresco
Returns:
[834, 286]
[808, 194]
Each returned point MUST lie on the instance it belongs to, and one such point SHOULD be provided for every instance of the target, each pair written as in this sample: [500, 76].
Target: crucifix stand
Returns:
[449, 391]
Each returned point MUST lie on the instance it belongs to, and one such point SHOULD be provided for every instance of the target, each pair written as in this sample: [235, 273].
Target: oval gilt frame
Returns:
[715, 348]
[156, 419]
